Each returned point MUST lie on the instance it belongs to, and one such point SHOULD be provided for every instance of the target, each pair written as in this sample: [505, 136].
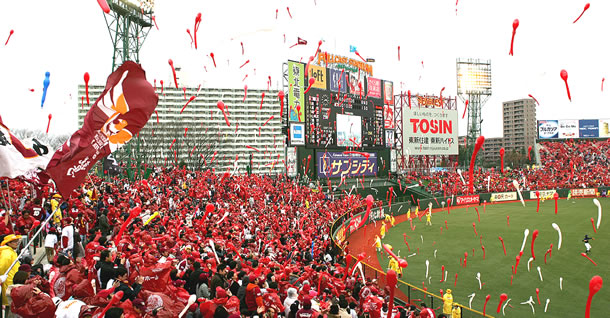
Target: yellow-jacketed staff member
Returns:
[393, 265]
[447, 302]
[377, 243]
[56, 210]
[457, 311]
[7, 256]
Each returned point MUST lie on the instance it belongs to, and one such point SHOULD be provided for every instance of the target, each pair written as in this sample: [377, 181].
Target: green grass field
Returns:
[574, 219]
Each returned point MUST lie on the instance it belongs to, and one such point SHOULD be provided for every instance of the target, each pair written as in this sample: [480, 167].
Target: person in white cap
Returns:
[292, 297]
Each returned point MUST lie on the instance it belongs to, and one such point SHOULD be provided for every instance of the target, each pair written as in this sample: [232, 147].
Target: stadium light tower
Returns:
[474, 85]
[129, 22]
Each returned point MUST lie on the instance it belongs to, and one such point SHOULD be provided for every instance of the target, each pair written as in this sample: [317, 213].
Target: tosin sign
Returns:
[434, 126]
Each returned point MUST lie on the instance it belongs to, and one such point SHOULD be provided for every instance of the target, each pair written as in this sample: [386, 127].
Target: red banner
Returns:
[156, 277]
[122, 109]
[468, 199]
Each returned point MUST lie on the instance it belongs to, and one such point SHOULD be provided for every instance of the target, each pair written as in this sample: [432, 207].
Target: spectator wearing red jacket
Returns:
[25, 222]
[254, 296]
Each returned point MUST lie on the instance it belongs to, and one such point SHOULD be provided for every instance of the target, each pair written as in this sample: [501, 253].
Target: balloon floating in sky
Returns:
[502, 159]
[262, 99]
[583, 12]
[515, 26]
[477, 146]
[564, 77]
[280, 95]
[171, 63]
[197, 22]
[213, 60]
[45, 86]
[311, 82]
[248, 61]
[9, 37]
[288, 9]
[49, 124]
[104, 5]
[360, 56]
[399, 53]
[190, 100]
[465, 108]
[87, 86]
[155, 21]
[190, 35]
[222, 107]
[534, 98]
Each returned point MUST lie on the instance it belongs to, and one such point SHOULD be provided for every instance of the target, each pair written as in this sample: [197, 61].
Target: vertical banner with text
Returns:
[296, 98]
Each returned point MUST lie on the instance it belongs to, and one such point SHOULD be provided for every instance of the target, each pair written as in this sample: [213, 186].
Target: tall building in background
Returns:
[519, 121]
[491, 149]
[200, 137]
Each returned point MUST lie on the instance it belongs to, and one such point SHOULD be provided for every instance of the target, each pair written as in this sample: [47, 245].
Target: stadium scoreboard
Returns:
[343, 107]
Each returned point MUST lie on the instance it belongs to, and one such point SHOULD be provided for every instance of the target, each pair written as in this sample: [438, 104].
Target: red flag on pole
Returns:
[122, 109]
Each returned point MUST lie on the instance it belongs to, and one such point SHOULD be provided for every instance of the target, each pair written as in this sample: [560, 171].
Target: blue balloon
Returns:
[45, 84]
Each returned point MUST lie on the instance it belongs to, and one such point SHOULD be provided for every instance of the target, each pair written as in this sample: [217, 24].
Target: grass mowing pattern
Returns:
[574, 219]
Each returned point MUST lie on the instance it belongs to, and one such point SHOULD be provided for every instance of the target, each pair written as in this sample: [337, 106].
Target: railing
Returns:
[414, 295]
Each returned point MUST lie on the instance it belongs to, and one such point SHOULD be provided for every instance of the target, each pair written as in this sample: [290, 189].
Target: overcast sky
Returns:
[70, 37]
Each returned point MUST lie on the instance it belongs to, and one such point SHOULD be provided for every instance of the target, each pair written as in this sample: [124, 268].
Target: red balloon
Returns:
[564, 77]
[534, 236]
[49, 123]
[213, 60]
[595, 284]
[485, 305]
[502, 159]
[583, 12]
[104, 5]
[503, 298]
[171, 63]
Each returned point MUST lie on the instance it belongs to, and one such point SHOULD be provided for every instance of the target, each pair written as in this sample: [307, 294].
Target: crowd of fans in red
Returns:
[569, 164]
[219, 246]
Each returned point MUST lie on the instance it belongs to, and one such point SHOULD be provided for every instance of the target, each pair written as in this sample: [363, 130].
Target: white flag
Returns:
[19, 158]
